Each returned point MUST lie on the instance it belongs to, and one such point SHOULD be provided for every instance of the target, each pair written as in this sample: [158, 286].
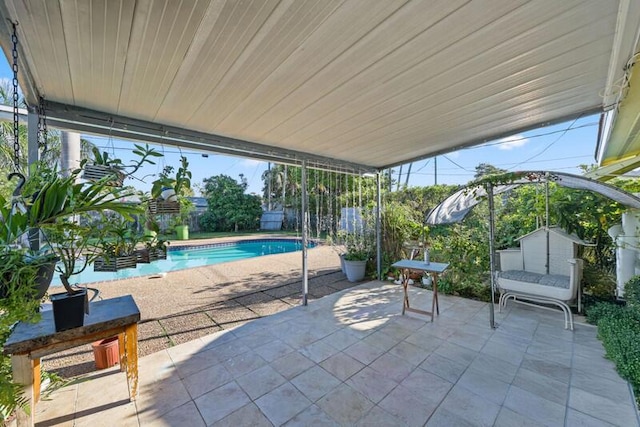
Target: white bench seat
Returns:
[537, 288]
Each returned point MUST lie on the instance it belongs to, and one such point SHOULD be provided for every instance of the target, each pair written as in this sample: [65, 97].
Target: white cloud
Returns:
[251, 163]
[511, 142]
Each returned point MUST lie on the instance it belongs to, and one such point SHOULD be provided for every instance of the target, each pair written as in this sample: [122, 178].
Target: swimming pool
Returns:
[183, 257]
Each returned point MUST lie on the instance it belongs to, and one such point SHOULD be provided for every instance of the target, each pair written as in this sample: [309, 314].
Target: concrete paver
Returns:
[304, 386]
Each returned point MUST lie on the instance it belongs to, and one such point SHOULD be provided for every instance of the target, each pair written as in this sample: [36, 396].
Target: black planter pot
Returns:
[69, 309]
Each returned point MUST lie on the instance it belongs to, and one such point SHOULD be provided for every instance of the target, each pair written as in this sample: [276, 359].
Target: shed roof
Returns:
[559, 232]
[357, 84]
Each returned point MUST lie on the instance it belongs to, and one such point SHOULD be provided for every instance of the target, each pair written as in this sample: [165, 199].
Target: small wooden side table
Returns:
[30, 341]
[434, 269]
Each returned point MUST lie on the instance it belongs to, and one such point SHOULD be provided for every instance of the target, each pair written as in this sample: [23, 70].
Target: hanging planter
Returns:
[44, 266]
[112, 264]
[158, 254]
[96, 172]
[144, 256]
[160, 206]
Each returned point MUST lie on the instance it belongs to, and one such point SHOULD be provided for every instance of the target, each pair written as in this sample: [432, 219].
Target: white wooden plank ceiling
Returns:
[376, 82]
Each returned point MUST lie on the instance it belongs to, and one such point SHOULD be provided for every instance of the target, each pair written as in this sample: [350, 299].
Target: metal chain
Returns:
[16, 130]
[42, 127]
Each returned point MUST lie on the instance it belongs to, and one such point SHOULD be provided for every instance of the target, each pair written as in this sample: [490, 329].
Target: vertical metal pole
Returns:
[305, 233]
[269, 187]
[546, 223]
[435, 170]
[32, 157]
[379, 225]
[492, 255]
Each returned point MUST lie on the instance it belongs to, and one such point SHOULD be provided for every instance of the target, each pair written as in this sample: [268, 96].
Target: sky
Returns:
[562, 147]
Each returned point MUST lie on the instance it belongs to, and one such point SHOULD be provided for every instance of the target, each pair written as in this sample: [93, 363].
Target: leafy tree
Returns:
[229, 208]
[484, 169]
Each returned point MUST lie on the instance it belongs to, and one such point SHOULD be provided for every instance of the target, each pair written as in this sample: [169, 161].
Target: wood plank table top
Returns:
[104, 315]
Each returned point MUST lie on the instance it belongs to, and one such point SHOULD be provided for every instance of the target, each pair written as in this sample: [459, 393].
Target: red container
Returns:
[106, 352]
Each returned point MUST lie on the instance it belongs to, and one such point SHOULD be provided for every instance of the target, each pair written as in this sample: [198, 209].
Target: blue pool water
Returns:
[194, 256]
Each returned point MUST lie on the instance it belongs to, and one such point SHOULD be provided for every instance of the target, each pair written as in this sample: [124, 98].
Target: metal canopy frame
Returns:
[95, 122]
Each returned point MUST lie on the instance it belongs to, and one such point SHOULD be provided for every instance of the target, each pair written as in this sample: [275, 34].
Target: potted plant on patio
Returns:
[67, 210]
[355, 263]
[359, 249]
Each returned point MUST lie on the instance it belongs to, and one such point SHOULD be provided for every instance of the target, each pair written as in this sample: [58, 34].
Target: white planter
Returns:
[169, 195]
[355, 270]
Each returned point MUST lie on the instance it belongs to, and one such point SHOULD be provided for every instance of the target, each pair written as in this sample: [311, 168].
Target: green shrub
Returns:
[619, 330]
[598, 283]
[632, 292]
[601, 310]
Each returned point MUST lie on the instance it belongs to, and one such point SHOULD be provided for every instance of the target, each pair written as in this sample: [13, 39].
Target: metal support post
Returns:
[379, 225]
[305, 233]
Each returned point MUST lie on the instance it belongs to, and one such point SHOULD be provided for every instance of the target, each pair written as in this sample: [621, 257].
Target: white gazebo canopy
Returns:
[355, 84]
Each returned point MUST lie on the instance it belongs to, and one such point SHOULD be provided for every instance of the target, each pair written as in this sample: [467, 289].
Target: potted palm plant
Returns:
[65, 210]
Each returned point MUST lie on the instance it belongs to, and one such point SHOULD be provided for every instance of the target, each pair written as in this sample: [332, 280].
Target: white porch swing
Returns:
[524, 275]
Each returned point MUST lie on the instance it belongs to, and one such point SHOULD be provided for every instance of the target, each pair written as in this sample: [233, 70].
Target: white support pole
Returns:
[379, 225]
[305, 233]
[70, 153]
[546, 221]
[492, 255]
[32, 157]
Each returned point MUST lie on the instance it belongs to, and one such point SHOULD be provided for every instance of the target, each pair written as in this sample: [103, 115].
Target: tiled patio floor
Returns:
[350, 358]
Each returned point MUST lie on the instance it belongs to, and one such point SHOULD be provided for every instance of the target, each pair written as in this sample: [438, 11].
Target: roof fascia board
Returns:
[624, 48]
[100, 123]
[537, 125]
[614, 170]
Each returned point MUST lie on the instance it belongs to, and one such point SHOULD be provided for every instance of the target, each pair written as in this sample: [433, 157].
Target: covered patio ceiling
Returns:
[354, 84]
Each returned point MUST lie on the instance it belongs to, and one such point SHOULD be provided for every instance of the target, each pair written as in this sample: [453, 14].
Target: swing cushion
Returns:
[555, 280]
